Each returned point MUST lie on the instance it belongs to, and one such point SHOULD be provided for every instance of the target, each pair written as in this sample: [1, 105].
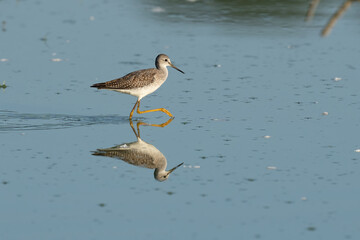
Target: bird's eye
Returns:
[166, 60]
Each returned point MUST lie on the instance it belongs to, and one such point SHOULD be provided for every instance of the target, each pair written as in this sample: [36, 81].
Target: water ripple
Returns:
[13, 121]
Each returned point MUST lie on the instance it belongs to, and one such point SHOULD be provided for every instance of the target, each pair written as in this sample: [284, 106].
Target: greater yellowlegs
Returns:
[140, 153]
[141, 83]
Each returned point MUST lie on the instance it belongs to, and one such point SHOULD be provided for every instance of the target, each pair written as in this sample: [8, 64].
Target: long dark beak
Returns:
[176, 68]
[171, 170]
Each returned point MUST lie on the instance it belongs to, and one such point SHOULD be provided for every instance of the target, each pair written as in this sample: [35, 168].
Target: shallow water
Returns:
[266, 121]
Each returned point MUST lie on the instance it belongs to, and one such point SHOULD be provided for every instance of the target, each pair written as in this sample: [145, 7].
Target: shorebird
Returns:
[141, 154]
[141, 83]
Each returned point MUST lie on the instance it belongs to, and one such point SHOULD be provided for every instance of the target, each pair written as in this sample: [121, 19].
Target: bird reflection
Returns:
[141, 153]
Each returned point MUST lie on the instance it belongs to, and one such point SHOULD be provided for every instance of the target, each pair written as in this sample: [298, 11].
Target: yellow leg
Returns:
[153, 110]
[132, 111]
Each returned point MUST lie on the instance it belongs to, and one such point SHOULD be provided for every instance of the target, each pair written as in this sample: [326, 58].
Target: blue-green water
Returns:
[266, 121]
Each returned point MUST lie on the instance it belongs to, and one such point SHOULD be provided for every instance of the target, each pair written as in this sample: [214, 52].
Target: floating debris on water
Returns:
[325, 113]
[157, 10]
[114, 167]
[3, 26]
[56, 60]
[217, 65]
[44, 38]
[3, 85]
[4, 59]
[303, 198]
[190, 166]
[271, 167]
[311, 228]
[218, 119]
[267, 137]
[92, 18]
[357, 150]
[337, 79]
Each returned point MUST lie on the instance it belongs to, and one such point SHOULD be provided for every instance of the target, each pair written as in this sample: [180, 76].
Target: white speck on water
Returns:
[56, 60]
[218, 119]
[357, 150]
[4, 60]
[303, 198]
[53, 54]
[325, 113]
[217, 65]
[92, 18]
[337, 79]
[157, 10]
[271, 167]
[190, 166]
[114, 167]
[267, 137]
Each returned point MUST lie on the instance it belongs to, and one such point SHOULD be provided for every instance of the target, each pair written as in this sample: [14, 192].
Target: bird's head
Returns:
[164, 175]
[163, 60]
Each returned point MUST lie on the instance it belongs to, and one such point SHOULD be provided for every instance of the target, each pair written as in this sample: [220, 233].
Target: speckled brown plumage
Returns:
[133, 157]
[132, 80]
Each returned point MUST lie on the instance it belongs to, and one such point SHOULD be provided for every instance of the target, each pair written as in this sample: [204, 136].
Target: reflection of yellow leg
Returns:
[132, 126]
[153, 110]
[138, 124]
[154, 125]
[132, 111]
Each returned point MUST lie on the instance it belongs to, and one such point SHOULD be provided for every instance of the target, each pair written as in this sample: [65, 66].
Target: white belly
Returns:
[140, 92]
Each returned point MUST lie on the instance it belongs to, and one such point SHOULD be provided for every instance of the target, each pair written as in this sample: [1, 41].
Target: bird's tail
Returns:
[99, 85]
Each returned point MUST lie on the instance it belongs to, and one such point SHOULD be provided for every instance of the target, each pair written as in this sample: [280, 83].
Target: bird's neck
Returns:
[163, 71]
[162, 68]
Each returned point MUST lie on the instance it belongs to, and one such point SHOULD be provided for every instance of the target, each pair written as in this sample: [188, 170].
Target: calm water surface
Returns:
[266, 121]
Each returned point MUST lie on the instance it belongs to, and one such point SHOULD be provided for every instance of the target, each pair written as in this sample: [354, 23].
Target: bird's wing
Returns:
[135, 79]
[136, 158]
